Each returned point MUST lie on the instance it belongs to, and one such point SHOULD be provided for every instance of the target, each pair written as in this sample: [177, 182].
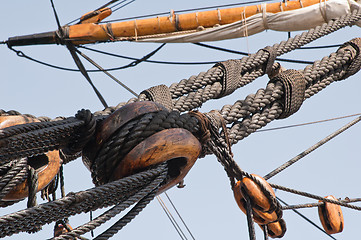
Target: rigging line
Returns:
[314, 196]
[136, 61]
[311, 205]
[104, 6]
[319, 47]
[246, 54]
[188, 10]
[150, 61]
[56, 16]
[171, 202]
[308, 123]
[307, 219]
[123, 5]
[170, 217]
[311, 149]
[77, 61]
[83, 71]
[107, 73]
[109, 3]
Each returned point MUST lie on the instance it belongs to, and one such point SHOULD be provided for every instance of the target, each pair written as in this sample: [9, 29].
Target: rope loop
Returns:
[294, 86]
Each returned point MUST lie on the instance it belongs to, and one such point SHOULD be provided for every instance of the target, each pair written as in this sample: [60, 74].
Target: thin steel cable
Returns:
[125, 4]
[171, 218]
[311, 149]
[247, 54]
[83, 71]
[106, 72]
[184, 223]
[308, 123]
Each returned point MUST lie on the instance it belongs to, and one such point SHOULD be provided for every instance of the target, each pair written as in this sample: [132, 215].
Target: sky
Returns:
[206, 203]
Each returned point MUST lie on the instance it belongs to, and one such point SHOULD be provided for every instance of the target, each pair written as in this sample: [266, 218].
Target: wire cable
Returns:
[171, 218]
[107, 73]
[311, 149]
[308, 123]
[180, 217]
[246, 54]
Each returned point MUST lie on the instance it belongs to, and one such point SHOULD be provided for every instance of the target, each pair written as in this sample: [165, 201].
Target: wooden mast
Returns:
[90, 31]
[175, 22]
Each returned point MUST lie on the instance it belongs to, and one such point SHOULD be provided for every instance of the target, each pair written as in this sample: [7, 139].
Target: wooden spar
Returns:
[88, 33]
[91, 32]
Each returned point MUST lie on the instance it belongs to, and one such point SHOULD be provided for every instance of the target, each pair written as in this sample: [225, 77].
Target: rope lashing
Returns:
[294, 86]
[159, 94]
[193, 92]
[83, 133]
[232, 72]
[354, 47]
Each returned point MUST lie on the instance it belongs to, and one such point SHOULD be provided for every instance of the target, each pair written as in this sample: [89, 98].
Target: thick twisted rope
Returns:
[138, 196]
[131, 134]
[75, 203]
[208, 85]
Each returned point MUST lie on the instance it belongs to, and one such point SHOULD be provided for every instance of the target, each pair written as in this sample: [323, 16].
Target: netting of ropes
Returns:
[116, 143]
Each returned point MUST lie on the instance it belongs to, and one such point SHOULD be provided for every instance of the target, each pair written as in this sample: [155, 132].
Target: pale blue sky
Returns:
[206, 203]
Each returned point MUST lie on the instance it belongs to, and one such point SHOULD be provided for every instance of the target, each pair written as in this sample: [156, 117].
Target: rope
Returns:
[128, 217]
[311, 149]
[136, 197]
[16, 173]
[307, 219]
[254, 63]
[310, 195]
[39, 137]
[131, 134]
[75, 203]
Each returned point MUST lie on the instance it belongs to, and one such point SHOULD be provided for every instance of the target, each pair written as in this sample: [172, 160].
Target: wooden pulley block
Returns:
[258, 199]
[114, 122]
[59, 228]
[46, 165]
[277, 229]
[331, 216]
[259, 217]
[176, 146]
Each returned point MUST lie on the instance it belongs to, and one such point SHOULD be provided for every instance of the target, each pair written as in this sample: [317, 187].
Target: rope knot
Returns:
[294, 86]
[354, 47]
